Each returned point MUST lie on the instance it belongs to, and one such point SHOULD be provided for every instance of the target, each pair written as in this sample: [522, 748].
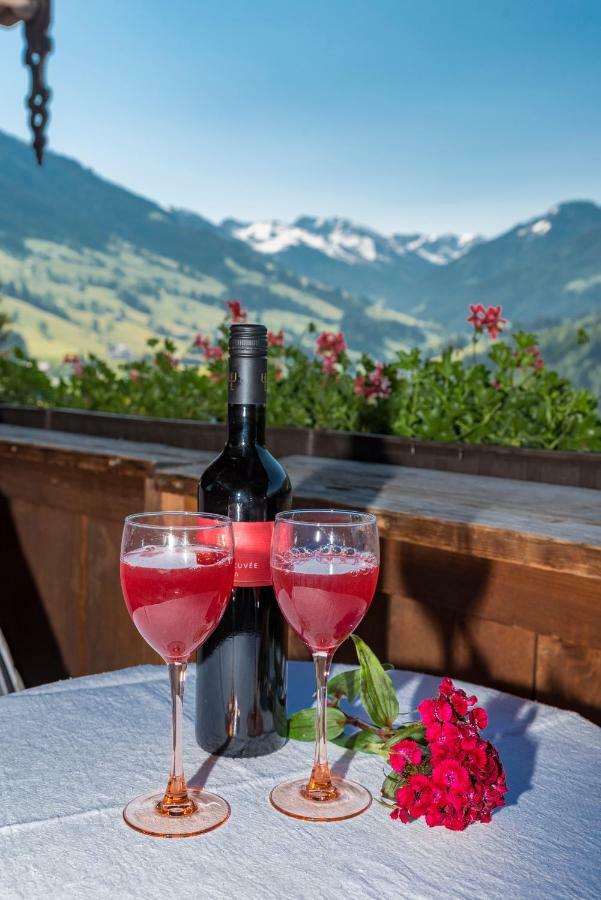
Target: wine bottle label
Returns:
[252, 548]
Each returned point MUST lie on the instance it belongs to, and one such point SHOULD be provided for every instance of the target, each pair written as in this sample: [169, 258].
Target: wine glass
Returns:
[325, 566]
[177, 570]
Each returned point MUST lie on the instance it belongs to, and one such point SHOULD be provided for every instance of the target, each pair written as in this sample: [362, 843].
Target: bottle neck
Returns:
[245, 425]
[246, 400]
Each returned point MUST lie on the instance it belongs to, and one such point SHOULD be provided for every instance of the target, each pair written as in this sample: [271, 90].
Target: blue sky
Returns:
[432, 115]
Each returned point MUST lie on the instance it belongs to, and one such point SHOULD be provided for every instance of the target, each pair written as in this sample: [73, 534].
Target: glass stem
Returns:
[320, 785]
[176, 801]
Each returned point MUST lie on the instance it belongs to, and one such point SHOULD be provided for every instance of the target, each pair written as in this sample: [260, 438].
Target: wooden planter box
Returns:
[550, 466]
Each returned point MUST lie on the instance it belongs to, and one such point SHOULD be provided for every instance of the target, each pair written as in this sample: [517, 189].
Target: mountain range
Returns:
[549, 266]
[88, 266]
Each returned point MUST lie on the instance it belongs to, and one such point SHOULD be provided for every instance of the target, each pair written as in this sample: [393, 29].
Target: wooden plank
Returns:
[536, 599]
[111, 639]
[429, 639]
[177, 502]
[477, 499]
[555, 467]
[552, 466]
[152, 496]
[182, 478]
[179, 433]
[106, 495]
[569, 675]
[557, 528]
[90, 453]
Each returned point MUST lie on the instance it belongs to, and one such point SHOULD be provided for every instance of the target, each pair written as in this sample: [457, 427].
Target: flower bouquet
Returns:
[442, 769]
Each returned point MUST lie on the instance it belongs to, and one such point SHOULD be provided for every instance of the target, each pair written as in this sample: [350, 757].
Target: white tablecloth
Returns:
[72, 753]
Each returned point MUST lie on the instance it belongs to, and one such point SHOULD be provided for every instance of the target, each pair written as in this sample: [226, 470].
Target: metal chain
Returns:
[38, 46]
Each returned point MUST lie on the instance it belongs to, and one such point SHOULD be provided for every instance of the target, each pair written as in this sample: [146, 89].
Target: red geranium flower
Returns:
[330, 342]
[375, 385]
[275, 339]
[493, 320]
[209, 350]
[329, 363]
[476, 319]
[330, 345]
[489, 320]
[236, 311]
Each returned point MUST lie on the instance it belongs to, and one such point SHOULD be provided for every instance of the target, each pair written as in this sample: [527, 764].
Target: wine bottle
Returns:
[241, 670]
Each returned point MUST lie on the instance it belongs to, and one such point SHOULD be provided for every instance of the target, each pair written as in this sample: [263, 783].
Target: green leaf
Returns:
[301, 725]
[348, 684]
[377, 691]
[414, 731]
[364, 741]
[392, 783]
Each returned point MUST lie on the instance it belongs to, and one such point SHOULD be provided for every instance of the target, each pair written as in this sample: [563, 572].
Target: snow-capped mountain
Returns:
[346, 241]
[438, 249]
[336, 238]
[353, 257]
[537, 228]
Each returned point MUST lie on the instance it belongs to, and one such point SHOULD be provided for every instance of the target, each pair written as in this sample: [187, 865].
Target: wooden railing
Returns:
[494, 580]
[550, 466]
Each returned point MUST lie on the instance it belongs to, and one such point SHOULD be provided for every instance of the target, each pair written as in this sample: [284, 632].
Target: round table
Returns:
[72, 753]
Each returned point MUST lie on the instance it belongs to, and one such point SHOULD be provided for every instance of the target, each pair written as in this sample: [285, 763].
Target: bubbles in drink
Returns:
[185, 556]
[176, 595]
[325, 593]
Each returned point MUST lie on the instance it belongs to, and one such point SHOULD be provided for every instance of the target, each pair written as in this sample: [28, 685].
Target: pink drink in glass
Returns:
[176, 595]
[324, 595]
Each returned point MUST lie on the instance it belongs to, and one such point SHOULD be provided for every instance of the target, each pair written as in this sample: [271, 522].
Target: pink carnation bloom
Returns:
[478, 717]
[404, 752]
[465, 782]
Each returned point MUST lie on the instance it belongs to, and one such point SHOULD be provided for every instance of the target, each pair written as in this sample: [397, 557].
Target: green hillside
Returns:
[87, 266]
[574, 350]
[545, 267]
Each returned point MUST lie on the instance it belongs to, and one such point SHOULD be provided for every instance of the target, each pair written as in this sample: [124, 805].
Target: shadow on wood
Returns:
[435, 579]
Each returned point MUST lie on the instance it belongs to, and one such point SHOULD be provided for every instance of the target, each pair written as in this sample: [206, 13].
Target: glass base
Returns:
[352, 800]
[144, 814]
